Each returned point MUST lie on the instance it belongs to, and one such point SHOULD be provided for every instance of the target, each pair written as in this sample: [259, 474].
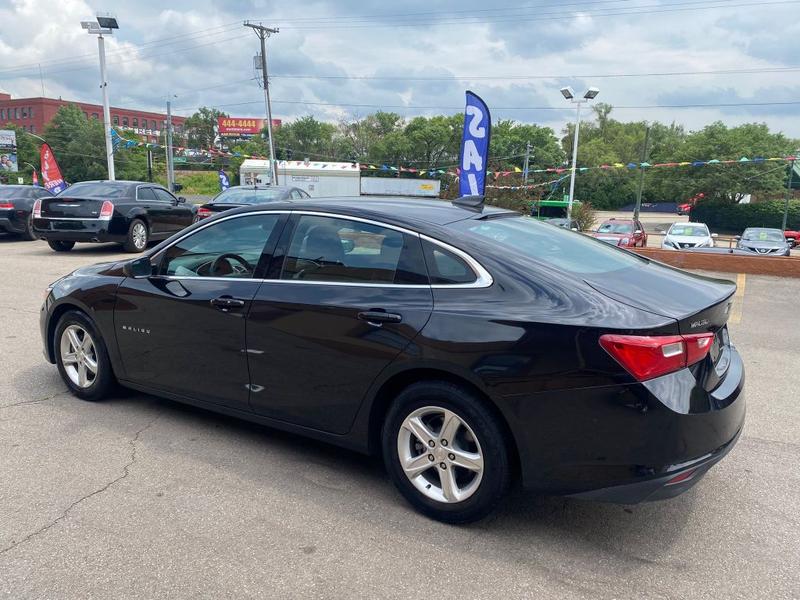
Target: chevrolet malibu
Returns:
[469, 346]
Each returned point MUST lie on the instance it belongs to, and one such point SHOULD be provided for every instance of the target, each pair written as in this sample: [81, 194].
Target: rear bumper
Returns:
[89, 230]
[625, 443]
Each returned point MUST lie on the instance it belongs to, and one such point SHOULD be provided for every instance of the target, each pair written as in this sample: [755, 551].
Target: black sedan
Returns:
[131, 213]
[470, 347]
[564, 223]
[16, 206]
[247, 195]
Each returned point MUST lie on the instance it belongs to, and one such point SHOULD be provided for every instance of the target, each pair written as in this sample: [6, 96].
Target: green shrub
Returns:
[734, 218]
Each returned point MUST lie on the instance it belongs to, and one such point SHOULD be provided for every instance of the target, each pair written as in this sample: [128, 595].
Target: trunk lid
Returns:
[696, 302]
[71, 207]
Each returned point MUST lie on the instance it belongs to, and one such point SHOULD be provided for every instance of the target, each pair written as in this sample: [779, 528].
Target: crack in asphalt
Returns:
[22, 310]
[125, 472]
[37, 401]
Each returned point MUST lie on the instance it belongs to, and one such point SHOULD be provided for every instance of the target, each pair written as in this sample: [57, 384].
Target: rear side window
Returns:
[445, 267]
[329, 249]
[145, 194]
[565, 250]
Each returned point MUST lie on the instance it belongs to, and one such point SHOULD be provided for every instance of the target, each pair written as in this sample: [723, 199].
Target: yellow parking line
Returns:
[738, 299]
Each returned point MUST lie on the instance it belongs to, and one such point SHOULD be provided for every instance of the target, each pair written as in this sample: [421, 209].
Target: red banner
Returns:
[242, 126]
[51, 174]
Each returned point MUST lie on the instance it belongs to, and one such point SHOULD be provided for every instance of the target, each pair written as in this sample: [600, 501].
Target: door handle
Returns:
[379, 317]
[227, 303]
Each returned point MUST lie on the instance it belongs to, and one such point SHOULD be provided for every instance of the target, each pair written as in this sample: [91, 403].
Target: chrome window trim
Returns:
[483, 279]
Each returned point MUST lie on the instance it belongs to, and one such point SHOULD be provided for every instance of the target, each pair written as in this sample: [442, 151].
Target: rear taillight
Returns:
[37, 209]
[649, 356]
[107, 209]
[6, 204]
[202, 213]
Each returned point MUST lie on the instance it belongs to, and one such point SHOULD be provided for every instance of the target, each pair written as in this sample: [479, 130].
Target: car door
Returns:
[156, 209]
[641, 237]
[179, 215]
[343, 298]
[182, 330]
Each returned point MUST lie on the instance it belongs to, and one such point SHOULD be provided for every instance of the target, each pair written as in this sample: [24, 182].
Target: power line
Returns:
[522, 19]
[759, 70]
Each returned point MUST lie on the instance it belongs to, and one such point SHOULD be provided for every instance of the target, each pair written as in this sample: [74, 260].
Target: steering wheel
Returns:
[245, 267]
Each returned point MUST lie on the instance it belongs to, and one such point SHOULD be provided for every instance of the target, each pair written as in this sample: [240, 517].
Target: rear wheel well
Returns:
[58, 312]
[394, 385]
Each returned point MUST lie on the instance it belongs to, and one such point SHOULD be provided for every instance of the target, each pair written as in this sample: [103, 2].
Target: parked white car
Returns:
[688, 235]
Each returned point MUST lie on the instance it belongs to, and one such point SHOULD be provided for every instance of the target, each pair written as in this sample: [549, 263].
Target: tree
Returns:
[78, 144]
[200, 127]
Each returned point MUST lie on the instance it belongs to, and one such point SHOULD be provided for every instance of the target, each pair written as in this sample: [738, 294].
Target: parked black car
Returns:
[131, 213]
[564, 223]
[471, 347]
[247, 195]
[16, 205]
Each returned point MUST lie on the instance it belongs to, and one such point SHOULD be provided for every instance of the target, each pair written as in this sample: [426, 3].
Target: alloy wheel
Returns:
[440, 454]
[139, 235]
[79, 356]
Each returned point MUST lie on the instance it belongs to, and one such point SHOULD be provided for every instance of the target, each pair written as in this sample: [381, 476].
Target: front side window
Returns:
[229, 248]
[329, 249]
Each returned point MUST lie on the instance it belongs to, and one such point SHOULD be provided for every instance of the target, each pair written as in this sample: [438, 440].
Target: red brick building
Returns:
[32, 114]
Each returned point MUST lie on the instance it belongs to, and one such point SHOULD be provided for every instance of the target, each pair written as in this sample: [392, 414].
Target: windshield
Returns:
[96, 189]
[565, 250]
[762, 235]
[615, 228]
[248, 195]
[689, 230]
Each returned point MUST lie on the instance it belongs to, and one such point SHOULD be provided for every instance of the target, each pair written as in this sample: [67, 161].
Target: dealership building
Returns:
[32, 114]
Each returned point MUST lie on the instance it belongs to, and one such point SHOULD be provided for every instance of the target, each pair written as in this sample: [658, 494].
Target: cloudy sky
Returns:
[339, 59]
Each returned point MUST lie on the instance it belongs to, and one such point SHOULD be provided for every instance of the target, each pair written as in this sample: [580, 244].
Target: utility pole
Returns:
[527, 163]
[170, 164]
[149, 165]
[788, 194]
[263, 33]
[639, 191]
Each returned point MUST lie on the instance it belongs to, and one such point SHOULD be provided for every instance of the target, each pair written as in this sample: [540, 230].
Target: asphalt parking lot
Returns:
[141, 497]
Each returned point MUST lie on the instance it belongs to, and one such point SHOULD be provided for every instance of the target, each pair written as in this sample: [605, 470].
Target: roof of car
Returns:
[394, 209]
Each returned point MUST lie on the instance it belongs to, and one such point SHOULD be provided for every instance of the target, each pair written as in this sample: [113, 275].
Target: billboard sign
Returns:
[242, 126]
[8, 151]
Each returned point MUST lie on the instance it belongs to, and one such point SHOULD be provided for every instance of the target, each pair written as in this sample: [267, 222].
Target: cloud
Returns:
[201, 52]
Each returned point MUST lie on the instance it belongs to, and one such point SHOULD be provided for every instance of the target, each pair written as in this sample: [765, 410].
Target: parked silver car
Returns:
[764, 241]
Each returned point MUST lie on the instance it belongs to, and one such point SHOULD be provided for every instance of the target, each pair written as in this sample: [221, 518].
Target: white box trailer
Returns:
[254, 172]
[321, 179]
[398, 186]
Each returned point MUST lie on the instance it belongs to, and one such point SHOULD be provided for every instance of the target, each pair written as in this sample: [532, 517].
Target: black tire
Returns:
[487, 430]
[60, 245]
[133, 242]
[28, 233]
[103, 381]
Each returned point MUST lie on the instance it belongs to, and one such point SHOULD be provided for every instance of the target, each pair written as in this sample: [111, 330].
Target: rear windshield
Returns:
[763, 235]
[689, 230]
[15, 192]
[248, 196]
[97, 189]
[615, 228]
[565, 250]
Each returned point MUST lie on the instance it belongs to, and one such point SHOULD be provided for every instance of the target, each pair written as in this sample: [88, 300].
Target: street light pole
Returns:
[106, 109]
[574, 161]
[104, 24]
[638, 207]
[569, 95]
[170, 160]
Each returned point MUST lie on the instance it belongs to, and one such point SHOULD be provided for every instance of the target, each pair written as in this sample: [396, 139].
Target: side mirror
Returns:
[138, 268]
[574, 229]
[181, 199]
[637, 232]
[737, 237]
[790, 241]
[714, 235]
